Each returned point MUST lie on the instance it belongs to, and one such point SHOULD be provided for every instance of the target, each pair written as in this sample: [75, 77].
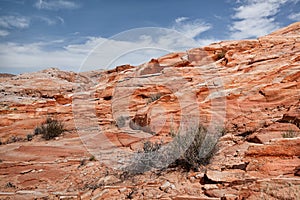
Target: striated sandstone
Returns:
[250, 88]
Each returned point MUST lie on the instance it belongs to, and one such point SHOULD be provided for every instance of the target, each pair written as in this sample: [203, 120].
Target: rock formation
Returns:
[250, 89]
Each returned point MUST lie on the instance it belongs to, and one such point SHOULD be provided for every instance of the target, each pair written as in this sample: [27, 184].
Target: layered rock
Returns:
[248, 88]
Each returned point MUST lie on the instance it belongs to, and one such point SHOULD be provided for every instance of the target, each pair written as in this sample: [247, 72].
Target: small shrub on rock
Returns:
[92, 158]
[38, 130]
[221, 54]
[290, 134]
[50, 129]
[121, 121]
[29, 137]
[151, 146]
[199, 151]
[189, 149]
[154, 97]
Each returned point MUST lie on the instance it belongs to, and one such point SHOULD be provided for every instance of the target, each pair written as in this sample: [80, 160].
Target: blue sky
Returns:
[38, 34]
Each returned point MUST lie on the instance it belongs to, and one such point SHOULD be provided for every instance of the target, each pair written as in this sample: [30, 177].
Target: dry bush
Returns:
[50, 129]
[188, 150]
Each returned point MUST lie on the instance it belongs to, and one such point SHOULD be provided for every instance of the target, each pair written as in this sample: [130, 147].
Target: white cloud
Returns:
[55, 4]
[34, 55]
[255, 18]
[10, 22]
[3, 33]
[257, 9]
[47, 20]
[132, 47]
[62, 21]
[191, 28]
[181, 19]
[294, 16]
[50, 21]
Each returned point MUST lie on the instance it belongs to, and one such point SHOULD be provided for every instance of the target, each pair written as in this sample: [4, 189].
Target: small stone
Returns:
[121, 190]
[210, 187]
[165, 186]
[199, 176]
[90, 164]
[192, 179]
[99, 193]
[108, 180]
[26, 171]
[173, 187]
[226, 176]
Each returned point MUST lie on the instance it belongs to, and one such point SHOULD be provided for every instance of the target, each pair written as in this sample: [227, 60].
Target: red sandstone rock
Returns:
[254, 85]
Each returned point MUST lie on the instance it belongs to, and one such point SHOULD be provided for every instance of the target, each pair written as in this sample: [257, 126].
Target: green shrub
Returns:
[92, 158]
[82, 162]
[50, 129]
[290, 134]
[221, 55]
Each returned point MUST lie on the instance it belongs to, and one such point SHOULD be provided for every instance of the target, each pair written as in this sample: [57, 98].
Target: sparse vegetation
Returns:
[50, 129]
[154, 97]
[10, 185]
[221, 55]
[14, 139]
[82, 162]
[290, 134]
[151, 146]
[38, 131]
[121, 121]
[196, 151]
[188, 151]
[29, 137]
[92, 158]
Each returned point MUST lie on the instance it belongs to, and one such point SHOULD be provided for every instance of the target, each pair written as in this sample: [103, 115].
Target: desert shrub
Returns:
[10, 185]
[195, 147]
[38, 130]
[83, 162]
[121, 121]
[290, 134]
[188, 150]
[151, 146]
[154, 97]
[92, 158]
[14, 139]
[29, 137]
[221, 54]
[50, 129]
